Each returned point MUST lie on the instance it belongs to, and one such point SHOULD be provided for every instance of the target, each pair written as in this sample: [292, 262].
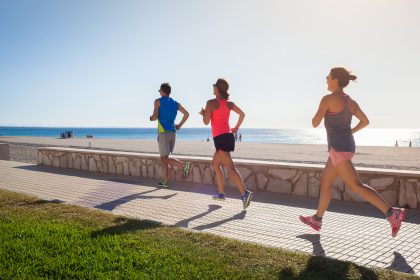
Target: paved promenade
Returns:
[352, 231]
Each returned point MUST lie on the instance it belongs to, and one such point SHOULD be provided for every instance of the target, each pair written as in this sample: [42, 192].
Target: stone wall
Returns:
[398, 187]
[4, 151]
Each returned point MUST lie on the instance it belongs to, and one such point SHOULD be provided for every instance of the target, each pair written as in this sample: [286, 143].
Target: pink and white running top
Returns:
[220, 119]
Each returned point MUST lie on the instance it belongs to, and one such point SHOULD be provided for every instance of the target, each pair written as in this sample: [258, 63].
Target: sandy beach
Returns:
[24, 149]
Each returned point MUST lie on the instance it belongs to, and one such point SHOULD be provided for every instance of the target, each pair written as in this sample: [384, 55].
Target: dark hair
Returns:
[342, 75]
[166, 88]
[223, 87]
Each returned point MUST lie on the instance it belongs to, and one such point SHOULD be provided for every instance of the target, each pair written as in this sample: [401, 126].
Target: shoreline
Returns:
[24, 149]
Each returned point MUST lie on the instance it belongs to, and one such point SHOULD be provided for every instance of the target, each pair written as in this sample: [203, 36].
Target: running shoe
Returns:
[396, 219]
[163, 183]
[219, 196]
[311, 221]
[246, 198]
[186, 169]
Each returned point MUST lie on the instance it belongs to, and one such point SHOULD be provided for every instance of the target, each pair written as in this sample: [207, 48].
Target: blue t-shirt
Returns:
[167, 113]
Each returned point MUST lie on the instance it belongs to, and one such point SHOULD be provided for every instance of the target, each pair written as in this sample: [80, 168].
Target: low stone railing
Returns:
[398, 187]
[4, 151]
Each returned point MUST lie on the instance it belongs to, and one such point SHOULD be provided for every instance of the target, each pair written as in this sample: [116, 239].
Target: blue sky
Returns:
[100, 63]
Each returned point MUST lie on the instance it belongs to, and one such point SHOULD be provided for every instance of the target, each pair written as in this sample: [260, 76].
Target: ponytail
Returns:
[224, 94]
[342, 75]
[223, 87]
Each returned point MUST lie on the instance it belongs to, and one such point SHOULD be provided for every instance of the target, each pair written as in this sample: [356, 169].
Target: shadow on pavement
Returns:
[84, 174]
[111, 205]
[400, 264]
[126, 226]
[315, 239]
[185, 222]
[239, 216]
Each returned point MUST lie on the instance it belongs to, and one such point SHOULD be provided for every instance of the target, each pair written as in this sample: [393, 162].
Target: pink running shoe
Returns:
[310, 221]
[396, 219]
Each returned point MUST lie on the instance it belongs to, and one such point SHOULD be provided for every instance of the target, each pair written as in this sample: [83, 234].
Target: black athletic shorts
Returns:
[225, 142]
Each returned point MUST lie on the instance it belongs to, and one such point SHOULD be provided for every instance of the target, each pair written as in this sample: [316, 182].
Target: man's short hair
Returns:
[166, 88]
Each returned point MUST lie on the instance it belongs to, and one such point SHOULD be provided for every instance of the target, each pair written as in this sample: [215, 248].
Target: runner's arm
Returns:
[322, 110]
[241, 114]
[206, 113]
[363, 120]
[184, 117]
[155, 111]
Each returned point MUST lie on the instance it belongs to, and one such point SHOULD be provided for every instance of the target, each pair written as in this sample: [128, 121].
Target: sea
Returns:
[366, 137]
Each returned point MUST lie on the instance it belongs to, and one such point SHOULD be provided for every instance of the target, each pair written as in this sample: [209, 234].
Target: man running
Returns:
[165, 111]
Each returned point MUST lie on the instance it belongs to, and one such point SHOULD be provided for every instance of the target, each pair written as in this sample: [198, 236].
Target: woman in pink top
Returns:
[218, 112]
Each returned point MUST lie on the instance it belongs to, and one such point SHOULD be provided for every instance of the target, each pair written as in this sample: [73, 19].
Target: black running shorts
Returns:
[224, 142]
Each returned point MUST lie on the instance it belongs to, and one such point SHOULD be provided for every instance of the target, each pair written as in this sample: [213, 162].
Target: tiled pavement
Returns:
[354, 232]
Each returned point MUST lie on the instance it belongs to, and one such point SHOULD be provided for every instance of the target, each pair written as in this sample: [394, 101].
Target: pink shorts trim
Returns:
[338, 157]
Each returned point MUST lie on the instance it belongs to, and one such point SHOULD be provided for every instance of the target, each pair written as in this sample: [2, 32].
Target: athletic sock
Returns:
[389, 212]
[317, 218]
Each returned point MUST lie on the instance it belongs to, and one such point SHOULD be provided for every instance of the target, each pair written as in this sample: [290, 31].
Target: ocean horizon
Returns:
[366, 137]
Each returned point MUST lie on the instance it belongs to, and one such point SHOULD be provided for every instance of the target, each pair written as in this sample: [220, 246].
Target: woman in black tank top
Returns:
[336, 109]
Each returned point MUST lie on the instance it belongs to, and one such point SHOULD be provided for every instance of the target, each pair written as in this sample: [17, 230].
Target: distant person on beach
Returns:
[165, 111]
[337, 110]
[409, 145]
[396, 143]
[218, 112]
[240, 137]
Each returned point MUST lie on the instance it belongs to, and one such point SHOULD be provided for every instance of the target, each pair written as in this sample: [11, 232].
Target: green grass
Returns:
[41, 239]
